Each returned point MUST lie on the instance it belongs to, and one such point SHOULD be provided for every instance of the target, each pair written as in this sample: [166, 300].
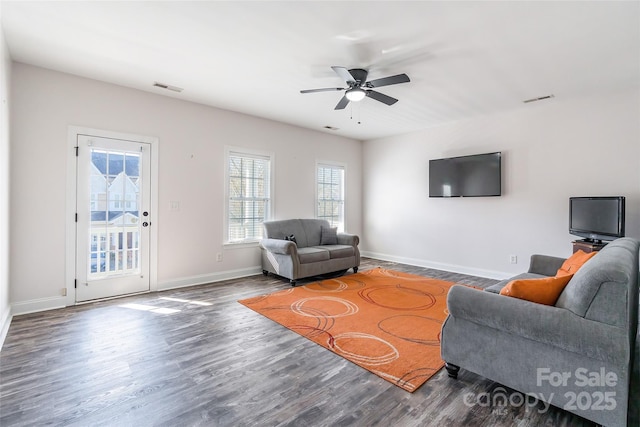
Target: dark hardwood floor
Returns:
[194, 356]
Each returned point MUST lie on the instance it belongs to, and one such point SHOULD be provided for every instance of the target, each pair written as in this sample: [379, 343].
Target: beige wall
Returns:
[551, 150]
[192, 138]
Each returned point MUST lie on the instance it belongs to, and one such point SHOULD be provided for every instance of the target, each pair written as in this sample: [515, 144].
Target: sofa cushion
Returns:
[329, 235]
[542, 291]
[282, 229]
[312, 229]
[312, 254]
[306, 231]
[574, 262]
[498, 286]
[339, 251]
[611, 265]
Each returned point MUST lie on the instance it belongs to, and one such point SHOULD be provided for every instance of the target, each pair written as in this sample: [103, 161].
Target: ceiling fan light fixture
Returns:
[356, 94]
[358, 87]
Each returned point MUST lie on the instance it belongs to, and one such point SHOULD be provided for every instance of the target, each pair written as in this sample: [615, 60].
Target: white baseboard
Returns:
[35, 305]
[491, 274]
[51, 303]
[4, 327]
[203, 279]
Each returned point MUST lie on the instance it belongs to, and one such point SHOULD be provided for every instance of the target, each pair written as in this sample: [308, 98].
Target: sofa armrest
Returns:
[348, 239]
[545, 264]
[279, 246]
[542, 323]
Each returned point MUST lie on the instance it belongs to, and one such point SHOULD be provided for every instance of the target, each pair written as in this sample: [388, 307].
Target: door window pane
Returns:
[114, 226]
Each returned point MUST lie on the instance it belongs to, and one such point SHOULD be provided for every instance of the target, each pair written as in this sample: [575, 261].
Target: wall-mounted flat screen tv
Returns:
[597, 218]
[466, 176]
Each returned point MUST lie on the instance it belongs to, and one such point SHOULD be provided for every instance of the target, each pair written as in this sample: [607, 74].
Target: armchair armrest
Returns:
[348, 239]
[545, 264]
[542, 323]
[278, 246]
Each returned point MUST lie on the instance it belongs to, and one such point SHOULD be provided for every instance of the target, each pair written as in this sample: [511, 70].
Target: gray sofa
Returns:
[529, 347]
[308, 256]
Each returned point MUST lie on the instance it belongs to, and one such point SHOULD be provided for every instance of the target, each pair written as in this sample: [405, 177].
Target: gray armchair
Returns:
[591, 330]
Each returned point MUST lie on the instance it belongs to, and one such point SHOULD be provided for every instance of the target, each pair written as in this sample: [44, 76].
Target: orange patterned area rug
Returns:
[385, 321]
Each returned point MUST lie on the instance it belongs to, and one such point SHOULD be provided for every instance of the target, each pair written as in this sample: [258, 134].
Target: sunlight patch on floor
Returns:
[143, 307]
[186, 300]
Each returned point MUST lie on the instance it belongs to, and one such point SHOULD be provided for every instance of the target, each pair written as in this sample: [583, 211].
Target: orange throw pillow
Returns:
[574, 262]
[542, 291]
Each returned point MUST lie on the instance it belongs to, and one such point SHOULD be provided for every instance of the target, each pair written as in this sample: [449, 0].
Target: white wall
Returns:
[5, 77]
[192, 138]
[551, 150]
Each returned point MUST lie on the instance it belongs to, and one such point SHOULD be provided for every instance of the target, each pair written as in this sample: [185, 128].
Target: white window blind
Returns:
[330, 194]
[249, 198]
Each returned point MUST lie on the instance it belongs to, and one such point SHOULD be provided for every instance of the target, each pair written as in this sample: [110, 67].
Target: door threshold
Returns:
[111, 298]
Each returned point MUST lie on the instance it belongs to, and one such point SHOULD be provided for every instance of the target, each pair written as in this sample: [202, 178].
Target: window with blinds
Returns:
[330, 194]
[249, 195]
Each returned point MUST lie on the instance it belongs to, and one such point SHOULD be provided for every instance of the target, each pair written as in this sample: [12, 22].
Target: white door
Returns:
[113, 217]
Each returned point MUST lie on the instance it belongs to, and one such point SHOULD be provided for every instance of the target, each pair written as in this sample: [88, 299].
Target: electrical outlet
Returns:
[219, 257]
[174, 205]
[513, 259]
[64, 292]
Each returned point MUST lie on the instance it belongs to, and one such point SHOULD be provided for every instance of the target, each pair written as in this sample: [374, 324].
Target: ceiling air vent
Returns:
[526, 101]
[331, 128]
[168, 87]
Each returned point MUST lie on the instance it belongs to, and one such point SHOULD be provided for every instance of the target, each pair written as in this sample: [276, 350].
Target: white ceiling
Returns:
[463, 58]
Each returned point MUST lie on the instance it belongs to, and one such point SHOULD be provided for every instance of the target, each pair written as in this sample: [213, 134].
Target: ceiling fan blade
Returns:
[328, 89]
[343, 103]
[344, 74]
[381, 97]
[386, 81]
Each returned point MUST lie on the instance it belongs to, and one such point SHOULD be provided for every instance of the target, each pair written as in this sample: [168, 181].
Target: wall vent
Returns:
[168, 87]
[538, 99]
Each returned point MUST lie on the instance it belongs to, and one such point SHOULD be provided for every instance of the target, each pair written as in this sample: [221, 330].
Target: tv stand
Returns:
[588, 245]
[597, 241]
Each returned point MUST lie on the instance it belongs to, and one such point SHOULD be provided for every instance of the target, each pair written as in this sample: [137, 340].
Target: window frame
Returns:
[333, 165]
[254, 154]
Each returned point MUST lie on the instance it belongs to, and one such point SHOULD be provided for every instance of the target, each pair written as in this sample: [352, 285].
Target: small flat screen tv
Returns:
[597, 218]
[466, 176]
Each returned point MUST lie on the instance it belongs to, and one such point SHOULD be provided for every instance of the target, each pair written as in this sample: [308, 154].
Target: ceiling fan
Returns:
[359, 88]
